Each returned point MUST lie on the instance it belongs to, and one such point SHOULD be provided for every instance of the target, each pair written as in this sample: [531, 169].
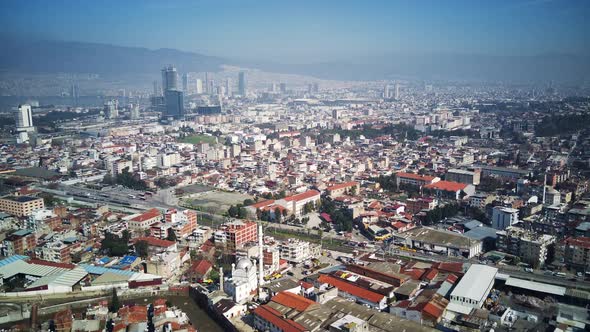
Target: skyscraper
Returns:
[185, 83]
[199, 84]
[24, 118]
[134, 112]
[386, 91]
[169, 78]
[242, 84]
[24, 123]
[111, 109]
[283, 87]
[174, 104]
[74, 94]
[157, 89]
[206, 82]
[396, 92]
[228, 87]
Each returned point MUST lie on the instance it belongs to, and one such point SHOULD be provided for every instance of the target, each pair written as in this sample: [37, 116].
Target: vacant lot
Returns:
[197, 139]
[216, 202]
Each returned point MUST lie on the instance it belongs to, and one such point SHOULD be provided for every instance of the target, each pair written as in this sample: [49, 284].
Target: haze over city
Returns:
[294, 166]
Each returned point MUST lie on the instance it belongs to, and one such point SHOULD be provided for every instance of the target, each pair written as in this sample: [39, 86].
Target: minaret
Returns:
[260, 259]
[221, 279]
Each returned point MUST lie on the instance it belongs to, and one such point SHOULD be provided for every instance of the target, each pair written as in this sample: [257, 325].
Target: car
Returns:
[528, 269]
[580, 274]
[548, 273]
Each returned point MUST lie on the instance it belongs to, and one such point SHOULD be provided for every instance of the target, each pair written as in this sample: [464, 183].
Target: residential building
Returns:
[414, 179]
[296, 251]
[464, 176]
[577, 252]
[143, 221]
[235, 234]
[21, 206]
[530, 247]
[503, 217]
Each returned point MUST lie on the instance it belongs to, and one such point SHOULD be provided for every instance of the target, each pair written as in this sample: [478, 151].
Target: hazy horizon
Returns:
[307, 32]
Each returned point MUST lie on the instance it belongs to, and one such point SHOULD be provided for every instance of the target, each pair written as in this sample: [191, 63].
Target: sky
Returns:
[306, 31]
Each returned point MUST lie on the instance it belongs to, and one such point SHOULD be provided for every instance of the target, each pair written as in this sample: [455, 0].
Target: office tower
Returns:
[74, 94]
[242, 84]
[24, 123]
[220, 90]
[206, 82]
[174, 104]
[396, 92]
[273, 88]
[24, 118]
[310, 88]
[111, 109]
[134, 112]
[386, 91]
[185, 84]
[199, 86]
[283, 87]
[227, 87]
[212, 87]
[169, 78]
[157, 89]
[316, 88]
[335, 114]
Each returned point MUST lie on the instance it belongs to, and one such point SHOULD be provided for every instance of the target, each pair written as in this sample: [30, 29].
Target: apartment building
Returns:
[532, 248]
[21, 206]
[235, 234]
[414, 179]
[296, 251]
[577, 252]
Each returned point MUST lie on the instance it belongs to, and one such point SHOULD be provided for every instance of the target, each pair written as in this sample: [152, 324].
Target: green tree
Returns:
[141, 248]
[171, 235]
[115, 304]
[278, 215]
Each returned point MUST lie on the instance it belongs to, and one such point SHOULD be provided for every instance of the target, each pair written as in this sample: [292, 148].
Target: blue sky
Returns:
[310, 31]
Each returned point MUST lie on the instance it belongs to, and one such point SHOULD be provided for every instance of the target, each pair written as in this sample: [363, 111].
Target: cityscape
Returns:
[207, 185]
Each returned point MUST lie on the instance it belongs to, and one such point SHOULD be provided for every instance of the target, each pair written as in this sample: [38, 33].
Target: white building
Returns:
[296, 251]
[243, 281]
[503, 217]
[472, 289]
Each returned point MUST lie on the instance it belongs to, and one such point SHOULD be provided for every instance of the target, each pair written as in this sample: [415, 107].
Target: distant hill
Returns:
[108, 60]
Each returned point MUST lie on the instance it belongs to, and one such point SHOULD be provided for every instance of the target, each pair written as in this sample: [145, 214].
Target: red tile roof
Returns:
[147, 215]
[433, 310]
[415, 176]
[580, 241]
[451, 267]
[201, 267]
[155, 242]
[446, 186]
[337, 186]
[275, 318]
[431, 274]
[293, 301]
[48, 263]
[351, 289]
[263, 203]
[305, 195]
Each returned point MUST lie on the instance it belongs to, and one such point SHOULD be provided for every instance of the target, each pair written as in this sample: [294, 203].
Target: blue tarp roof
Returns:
[104, 260]
[12, 258]
[102, 270]
[127, 260]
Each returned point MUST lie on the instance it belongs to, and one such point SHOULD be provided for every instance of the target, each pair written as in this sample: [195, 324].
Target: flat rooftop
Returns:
[20, 199]
[439, 237]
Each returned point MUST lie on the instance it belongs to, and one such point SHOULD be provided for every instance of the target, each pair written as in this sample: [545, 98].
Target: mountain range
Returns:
[110, 60]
